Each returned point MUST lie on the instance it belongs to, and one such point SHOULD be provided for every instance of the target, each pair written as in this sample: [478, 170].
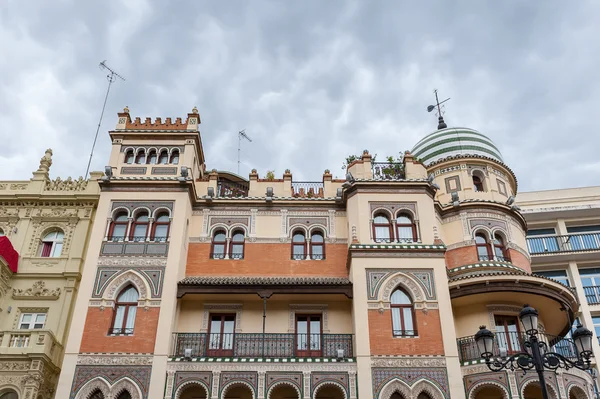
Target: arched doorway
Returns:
[237, 391]
[284, 391]
[488, 392]
[423, 395]
[192, 391]
[8, 394]
[329, 391]
[397, 395]
[576, 392]
[534, 391]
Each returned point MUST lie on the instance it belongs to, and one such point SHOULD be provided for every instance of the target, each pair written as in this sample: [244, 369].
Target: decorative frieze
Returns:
[37, 291]
[421, 361]
[114, 360]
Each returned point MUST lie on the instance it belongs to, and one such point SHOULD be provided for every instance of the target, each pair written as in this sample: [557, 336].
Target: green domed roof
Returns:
[455, 141]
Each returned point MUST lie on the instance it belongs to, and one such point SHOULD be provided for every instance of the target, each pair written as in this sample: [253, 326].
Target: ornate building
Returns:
[44, 230]
[204, 284]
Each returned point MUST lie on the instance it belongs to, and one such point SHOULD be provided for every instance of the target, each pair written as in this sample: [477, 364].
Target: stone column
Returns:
[149, 232]
[214, 394]
[306, 384]
[170, 383]
[352, 384]
[129, 222]
[512, 383]
[261, 384]
[108, 222]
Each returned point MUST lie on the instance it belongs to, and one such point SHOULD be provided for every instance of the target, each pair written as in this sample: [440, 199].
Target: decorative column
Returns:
[108, 222]
[129, 221]
[512, 383]
[308, 251]
[261, 384]
[561, 384]
[306, 381]
[226, 250]
[214, 394]
[149, 232]
[170, 382]
[352, 383]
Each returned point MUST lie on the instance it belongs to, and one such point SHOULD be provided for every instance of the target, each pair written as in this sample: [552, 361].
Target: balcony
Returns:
[387, 170]
[494, 258]
[560, 244]
[507, 344]
[230, 189]
[592, 294]
[307, 189]
[258, 345]
[30, 342]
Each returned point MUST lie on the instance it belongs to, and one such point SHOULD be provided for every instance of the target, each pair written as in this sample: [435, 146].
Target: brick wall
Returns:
[98, 322]
[429, 330]
[267, 260]
[519, 260]
[461, 256]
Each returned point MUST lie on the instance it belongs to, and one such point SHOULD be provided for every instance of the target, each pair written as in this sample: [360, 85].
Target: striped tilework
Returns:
[396, 246]
[454, 141]
[262, 360]
[484, 264]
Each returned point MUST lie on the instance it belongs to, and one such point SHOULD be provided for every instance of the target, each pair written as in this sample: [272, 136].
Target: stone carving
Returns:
[14, 366]
[326, 383]
[69, 184]
[129, 276]
[405, 281]
[114, 360]
[18, 186]
[394, 207]
[407, 380]
[105, 276]
[424, 277]
[112, 380]
[274, 379]
[130, 261]
[262, 366]
[408, 362]
[37, 291]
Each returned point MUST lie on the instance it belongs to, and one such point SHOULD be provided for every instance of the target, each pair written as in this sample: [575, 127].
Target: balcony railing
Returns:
[120, 331]
[592, 294]
[395, 240]
[33, 342]
[307, 189]
[136, 239]
[388, 170]
[507, 344]
[262, 345]
[566, 243]
[497, 258]
[231, 189]
[221, 255]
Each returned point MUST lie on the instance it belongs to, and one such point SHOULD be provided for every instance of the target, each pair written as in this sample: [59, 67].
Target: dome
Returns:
[455, 141]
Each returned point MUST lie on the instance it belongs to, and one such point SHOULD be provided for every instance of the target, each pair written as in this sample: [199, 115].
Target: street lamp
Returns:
[536, 354]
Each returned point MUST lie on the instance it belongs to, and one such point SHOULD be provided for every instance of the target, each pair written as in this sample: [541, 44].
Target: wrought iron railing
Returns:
[388, 170]
[317, 256]
[298, 256]
[231, 189]
[507, 344]
[592, 294]
[405, 333]
[496, 258]
[567, 243]
[136, 239]
[395, 240]
[120, 331]
[217, 255]
[262, 345]
[307, 189]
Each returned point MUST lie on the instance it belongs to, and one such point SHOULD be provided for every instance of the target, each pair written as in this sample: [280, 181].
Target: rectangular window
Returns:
[596, 321]
[508, 335]
[558, 275]
[221, 335]
[31, 321]
[590, 279]
[542, 240]
[308, 335]
[584, 237]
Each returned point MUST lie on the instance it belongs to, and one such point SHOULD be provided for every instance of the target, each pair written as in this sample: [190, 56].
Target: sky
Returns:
[311, 81]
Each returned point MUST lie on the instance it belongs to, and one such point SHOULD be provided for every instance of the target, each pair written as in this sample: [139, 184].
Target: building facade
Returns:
[200, 283]
[44, 230]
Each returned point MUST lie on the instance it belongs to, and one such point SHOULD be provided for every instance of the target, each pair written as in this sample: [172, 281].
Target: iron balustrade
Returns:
[120, 331]
[497, 258]
[396, 240]
[563, 243]
[307, 189]
[217, 255]
[388, 170]
[231, 189]
[317, 256]
[592, 294]
[262, 345]
[136, 239]
[405, 333]
[298, 256]
[506, 344]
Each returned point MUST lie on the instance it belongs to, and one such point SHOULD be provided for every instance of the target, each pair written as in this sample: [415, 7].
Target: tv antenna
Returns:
[241, 134]
[441, 123]
[111, 77]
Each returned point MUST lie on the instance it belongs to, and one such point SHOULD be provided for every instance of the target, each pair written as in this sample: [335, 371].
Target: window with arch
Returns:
[298, 245]
[152, 157]
[52, 244]
[236, 247]
[10, 394]
[125, 311]
[484, 248]
[124, 395]
[129, 157]
[478, 181]
[118, 227]
[1, 232]
[97, 394]
[139, 230]
[161, 227]
[317, 245]
[164, 157]
[175, 157]
[140, 157]
[403, 314]
[406, 229]
[382, 228]
[500, 252]
[219, 244]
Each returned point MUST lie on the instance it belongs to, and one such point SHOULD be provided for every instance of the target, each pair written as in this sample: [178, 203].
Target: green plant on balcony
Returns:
[270, 175]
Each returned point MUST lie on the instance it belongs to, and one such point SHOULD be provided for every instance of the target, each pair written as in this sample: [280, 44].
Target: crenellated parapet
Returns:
[125, 122]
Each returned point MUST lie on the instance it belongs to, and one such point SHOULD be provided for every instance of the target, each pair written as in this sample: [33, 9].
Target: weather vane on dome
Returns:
[441, 123]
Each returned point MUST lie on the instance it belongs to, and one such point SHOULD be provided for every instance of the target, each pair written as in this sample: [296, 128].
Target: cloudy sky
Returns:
[310, 81]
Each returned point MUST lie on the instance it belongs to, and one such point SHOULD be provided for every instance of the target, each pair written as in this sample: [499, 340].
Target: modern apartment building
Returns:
[200, 283]
[44, 230]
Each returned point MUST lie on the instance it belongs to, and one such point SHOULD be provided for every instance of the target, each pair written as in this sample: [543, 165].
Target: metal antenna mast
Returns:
[441, 123]
[111, 77]
[241, 133]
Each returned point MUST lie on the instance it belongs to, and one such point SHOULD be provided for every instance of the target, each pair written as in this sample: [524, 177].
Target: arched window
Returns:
[52, 244]
[161, 227]
[219, 243]
[152, 157]
[118, 227]
[317, 246]
[97, 394]
[129, 157]
[125, 310]
[139, 231]
[164, 157]
[236, 250]
[478, 181]
[500, 252]
[140, 157]
[484, 249]
[382, 228]
[406, 230]
[403, 315]
[1, 232]
[175, 157]
[298, 246]
[124, 395]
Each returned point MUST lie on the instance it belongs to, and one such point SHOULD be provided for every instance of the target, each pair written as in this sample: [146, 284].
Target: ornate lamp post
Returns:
[536, 355]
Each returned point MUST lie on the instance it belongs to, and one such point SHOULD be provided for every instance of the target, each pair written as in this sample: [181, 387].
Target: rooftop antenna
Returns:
[241, 133]
[111, 77]
[441, 123]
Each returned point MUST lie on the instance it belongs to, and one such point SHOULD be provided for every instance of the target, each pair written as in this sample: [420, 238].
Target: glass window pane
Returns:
[119, 317]
[382, 233]
[220, 236]
[161, 231]
[405, 232]
[129, 295]
[57, 249]
[399, 297]
[403, 220]
[479, 239]
[163, 218]
[238, 237]
[298, 249]
[381, 220]
[237, 249]
[408, 321]
[119, 230]
[298, 237]
[142, 218]
[219, 249]
[482, 251]
[317, 237]
[317, 250]
[396, 321]
[140, 230]
[26, 318]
